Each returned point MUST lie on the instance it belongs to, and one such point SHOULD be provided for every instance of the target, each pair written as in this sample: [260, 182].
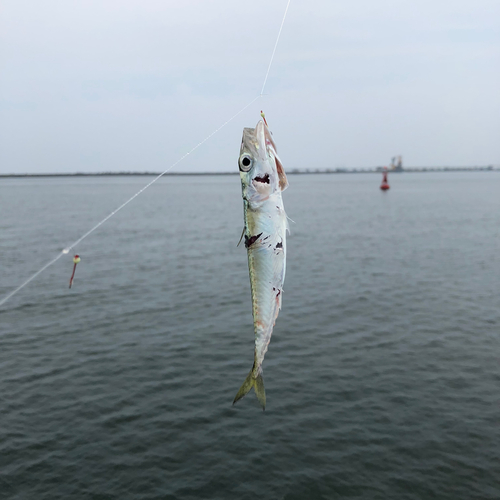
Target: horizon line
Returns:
[295, 171]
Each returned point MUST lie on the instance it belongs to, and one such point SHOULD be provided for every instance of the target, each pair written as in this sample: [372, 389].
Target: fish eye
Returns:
[245, 162]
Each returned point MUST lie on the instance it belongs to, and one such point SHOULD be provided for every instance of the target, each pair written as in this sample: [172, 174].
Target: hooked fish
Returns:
[262, 181]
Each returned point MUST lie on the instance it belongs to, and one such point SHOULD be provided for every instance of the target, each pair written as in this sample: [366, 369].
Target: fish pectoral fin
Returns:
[242, 234]
[258, 385]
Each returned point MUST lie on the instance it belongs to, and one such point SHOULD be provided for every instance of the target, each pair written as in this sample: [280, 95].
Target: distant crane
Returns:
[397, 164]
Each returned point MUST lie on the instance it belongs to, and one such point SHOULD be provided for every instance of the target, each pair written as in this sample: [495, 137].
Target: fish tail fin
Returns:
[258, 385]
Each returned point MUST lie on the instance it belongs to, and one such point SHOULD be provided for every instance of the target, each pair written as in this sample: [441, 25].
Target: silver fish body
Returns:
[262, 180]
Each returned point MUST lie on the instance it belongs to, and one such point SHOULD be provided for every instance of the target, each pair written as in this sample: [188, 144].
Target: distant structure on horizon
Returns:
[397, 164]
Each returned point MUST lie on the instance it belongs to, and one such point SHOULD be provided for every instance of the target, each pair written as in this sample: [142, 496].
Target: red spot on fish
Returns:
[264, 180]
[250, 241]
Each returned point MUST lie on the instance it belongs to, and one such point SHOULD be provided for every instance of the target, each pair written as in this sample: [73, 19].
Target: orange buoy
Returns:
[385, 183]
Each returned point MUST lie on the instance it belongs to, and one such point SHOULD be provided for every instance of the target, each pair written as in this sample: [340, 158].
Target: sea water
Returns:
[382, 376]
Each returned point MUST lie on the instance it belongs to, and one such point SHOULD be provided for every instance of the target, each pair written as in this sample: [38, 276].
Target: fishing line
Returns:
[274, 50]
[67, 249]
[8, 296]
[123, 205]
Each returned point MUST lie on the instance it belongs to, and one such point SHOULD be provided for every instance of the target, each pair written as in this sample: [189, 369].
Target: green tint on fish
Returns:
[262, 180]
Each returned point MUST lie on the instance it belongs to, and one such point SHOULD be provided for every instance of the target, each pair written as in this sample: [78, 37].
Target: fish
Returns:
[263, 179]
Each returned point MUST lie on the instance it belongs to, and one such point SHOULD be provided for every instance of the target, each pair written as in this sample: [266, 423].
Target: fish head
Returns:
[261, 171]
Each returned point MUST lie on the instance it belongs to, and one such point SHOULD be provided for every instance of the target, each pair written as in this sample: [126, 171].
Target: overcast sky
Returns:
[113, 85]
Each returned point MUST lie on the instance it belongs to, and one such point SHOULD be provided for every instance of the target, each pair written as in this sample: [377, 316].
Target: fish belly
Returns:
[266, 263]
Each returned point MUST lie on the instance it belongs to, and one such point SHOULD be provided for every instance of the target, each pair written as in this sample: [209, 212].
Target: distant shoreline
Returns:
[378, 170]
